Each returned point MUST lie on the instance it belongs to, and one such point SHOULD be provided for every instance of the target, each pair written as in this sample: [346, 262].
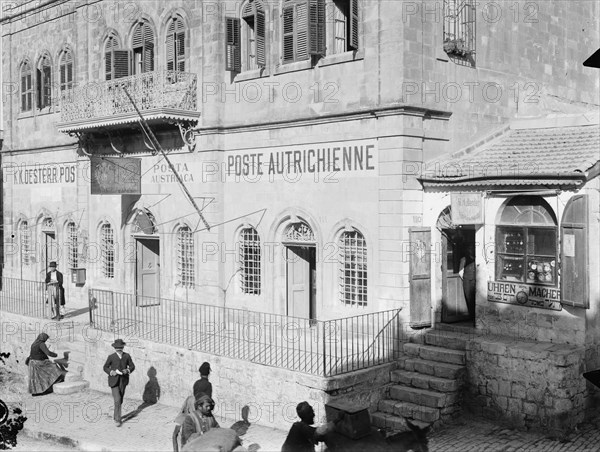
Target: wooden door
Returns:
[147, 272]
[50, 250]
[420, 277]
[300, 270]
[454, 304]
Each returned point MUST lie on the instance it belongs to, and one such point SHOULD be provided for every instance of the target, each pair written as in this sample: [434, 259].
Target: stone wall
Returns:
[271, 393]
[529, 384]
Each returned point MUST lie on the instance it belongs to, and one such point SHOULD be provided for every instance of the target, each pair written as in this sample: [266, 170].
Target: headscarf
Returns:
[204, 398]
[42, 337]
[187, 408]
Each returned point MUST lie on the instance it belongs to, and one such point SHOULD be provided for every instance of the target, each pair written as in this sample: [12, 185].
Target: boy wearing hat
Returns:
[203, 386]
[118, 366]
[56, 294]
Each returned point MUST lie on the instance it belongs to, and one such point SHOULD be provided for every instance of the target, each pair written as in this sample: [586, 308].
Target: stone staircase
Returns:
[74, 352]
[427, 386]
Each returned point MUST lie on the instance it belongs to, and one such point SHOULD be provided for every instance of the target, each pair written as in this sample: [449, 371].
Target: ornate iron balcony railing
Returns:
[171, 91]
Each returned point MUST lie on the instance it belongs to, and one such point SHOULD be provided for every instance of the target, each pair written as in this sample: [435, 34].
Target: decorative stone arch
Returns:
[142, 222]
[110, 33]
[143, 17]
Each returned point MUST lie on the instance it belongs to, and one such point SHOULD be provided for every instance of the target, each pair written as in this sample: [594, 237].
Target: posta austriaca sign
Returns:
[530, 295]
[116, 176]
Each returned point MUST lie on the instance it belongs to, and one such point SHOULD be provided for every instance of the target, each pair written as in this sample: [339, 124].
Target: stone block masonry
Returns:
[528, 384]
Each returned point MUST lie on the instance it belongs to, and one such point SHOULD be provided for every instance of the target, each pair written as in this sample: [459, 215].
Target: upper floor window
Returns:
[65, 63]
[303, 23]
[116, 60]
[176, 45]
[250, 261]
[342, 19]
[459, 27]
[246, 38]
[185, 257]
[44, 82]
[72, 243]
[143, 48]
[25, 242]
[526, 249]
[353, 268]
[107, 250]
[26, 87]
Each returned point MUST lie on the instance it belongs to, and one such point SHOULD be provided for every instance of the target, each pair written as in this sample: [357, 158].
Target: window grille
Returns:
[353, 269]
[459, 27]
[26, 87]
[299, 232]
[250, 261]
[73, 257]
[185, 257]
[25, 239]
[107, 244]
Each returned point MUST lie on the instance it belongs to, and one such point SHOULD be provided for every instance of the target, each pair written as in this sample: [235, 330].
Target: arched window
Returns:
[26, 87]
[250, 261]
[143, 48]
[44, 82]
[185, 257]
[353, 268]
[107, 250]
[72, 243]
[65, 64]
[176, 45]
[25, 242]
[116, 60]
[526, 248]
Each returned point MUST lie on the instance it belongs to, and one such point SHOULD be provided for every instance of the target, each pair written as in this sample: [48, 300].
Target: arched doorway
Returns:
[147, 258]
[301, 273]
[457, 269]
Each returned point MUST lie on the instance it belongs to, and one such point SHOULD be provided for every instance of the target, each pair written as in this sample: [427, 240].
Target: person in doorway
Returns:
[55, 291]
[200, 421]
[467, 274]
[118, 366]
[43, 372]
[203, 386]
[302, 436]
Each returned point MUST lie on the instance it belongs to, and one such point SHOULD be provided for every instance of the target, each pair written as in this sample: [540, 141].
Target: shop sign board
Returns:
[116, 176]
[529, 295]
[467, 208]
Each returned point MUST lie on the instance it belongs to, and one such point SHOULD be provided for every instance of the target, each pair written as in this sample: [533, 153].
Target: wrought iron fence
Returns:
[24, 297]
[150, 90]
[317, 347]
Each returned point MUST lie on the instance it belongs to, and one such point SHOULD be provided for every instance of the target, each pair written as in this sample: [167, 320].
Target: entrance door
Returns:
[147, 272]
[301, 278]
[50, 249]
[420, 277]
[454, 248]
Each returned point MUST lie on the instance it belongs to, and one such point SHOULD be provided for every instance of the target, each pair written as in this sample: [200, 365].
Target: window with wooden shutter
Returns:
[111, 45]
[26, 87]
[232, 42]
[176, 45]
[303, 29]
[343, 18]
[44, 82]
[143, 48]
[353, 22]
[574, 265]
[317, 27]
[121, 63]
[253, 35]
[66, 70]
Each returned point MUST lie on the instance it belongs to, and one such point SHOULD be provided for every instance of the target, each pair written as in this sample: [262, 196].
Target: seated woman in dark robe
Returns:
[42, 372]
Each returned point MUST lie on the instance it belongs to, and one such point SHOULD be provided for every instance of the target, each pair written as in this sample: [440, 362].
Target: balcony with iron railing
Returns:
[166, 96]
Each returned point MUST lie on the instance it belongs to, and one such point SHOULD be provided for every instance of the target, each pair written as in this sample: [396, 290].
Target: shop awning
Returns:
[534, 154]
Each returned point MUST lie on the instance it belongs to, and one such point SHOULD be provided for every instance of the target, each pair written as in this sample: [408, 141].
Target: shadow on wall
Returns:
[150, 397]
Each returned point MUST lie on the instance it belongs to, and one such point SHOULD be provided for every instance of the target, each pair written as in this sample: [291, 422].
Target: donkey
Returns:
[414, 440]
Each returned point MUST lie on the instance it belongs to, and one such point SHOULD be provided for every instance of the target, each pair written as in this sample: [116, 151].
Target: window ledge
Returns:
[293, 67]
[251, 74]
[337, 58]
[25, 114]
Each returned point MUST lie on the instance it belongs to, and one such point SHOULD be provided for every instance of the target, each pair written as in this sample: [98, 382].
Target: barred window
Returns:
[25, 239]
[72, 256]
[250, 261]
[107, 250]
[353, 268]
[185, 257]
[459, 27]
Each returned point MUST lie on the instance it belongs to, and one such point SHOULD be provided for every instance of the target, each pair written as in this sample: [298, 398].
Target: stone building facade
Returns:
[303, 130]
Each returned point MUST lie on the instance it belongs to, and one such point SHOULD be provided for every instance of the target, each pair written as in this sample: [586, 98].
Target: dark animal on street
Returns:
[413, 440]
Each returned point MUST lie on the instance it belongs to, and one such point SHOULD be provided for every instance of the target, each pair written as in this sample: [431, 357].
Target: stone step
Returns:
[459, 327]
[424, 397]
[439, 354]
[70, 387]
[428, 367]
[396, 423]
[425, 381]
[73, 376]
[447, 339]
[410, 410]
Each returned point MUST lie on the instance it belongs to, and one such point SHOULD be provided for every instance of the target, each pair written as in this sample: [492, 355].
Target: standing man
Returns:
[203, 386]
[118, 366]
[55, 290]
